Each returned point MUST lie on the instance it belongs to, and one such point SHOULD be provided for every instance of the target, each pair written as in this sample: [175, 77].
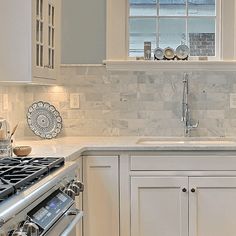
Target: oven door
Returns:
[66, 225]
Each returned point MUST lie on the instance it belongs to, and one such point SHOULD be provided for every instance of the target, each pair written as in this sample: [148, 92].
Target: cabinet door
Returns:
[101, 196]
[45, 34]
[212, 206]
[79, 199]
[159, 206]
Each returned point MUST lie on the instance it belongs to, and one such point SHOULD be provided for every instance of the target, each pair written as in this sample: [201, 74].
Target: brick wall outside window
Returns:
[202, 44]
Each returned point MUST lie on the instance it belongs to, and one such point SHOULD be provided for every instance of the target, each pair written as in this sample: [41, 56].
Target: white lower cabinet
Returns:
[159, 206]
[182, 206]
[79, 199]
[161, 194]
[101, 196]
[212, 206]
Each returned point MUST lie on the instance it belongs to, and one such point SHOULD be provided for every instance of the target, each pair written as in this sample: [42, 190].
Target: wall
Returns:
[15, 111]
[130, 103]
[83, 31]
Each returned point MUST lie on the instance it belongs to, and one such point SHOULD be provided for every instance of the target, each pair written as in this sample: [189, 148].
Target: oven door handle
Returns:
[74, 222]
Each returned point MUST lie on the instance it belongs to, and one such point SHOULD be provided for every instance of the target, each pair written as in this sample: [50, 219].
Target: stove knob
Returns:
[18, 233]
[80, 185]
[31, 229]
[70, 193]
[75, 188]
[62, 187]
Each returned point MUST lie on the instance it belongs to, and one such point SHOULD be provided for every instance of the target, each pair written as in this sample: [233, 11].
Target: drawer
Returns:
[156, 163]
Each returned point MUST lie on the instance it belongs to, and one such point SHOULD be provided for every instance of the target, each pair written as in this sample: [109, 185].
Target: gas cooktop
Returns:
[17, 174]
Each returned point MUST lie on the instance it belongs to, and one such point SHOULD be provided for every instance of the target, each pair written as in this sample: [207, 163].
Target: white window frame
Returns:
[117, 30]
[217, 28]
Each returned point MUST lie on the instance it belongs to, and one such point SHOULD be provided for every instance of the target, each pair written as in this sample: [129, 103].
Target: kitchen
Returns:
[121, 122]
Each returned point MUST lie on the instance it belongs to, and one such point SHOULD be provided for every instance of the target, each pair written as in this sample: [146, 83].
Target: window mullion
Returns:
[187, 35]
[157, 21]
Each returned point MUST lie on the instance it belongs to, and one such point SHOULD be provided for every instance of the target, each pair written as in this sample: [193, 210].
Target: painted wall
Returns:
[83, 31]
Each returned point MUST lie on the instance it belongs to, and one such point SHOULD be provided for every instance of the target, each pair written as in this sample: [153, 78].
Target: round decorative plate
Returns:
[182, 51]
[169, 53]
[158, 53]
[44, 120]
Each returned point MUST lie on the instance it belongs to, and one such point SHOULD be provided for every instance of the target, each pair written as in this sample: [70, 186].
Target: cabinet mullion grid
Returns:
[39, 33]
[51, 34]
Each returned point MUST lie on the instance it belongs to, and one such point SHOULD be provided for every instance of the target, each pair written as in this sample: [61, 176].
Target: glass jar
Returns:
[5, 148]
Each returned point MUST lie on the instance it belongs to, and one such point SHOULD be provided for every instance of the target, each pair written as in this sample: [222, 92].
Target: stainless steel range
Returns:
[37, 197]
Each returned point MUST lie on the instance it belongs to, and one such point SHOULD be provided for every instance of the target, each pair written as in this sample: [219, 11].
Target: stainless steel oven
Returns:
[46, 207]
[56, 215]
[66, 225]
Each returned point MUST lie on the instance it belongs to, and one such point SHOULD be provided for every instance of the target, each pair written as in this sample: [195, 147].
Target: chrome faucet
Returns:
[186, 118]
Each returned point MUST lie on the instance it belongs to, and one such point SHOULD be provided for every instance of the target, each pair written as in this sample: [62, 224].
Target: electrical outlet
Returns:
[74, 101]
[5, 101]
[233, 100]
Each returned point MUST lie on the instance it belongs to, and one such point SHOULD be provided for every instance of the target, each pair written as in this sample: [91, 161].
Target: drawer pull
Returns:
[100, 167]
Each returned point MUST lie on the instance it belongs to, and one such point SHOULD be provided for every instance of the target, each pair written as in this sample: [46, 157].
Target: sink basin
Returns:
[186, 141]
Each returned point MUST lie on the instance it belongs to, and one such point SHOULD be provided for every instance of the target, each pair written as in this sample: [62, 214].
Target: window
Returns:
[169, 23]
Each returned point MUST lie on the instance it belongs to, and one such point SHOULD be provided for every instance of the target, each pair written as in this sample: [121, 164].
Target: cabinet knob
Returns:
[80, 185]
[184, 190]
[193, 190]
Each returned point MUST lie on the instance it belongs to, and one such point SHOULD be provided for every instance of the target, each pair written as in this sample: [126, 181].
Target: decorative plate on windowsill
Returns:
[44, 120]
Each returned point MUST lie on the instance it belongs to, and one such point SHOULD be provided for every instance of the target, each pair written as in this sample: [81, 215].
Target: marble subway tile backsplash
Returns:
[13, 110]
[118, 103]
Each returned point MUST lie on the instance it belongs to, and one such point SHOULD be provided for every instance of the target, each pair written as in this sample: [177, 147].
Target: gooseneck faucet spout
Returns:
[186, 118]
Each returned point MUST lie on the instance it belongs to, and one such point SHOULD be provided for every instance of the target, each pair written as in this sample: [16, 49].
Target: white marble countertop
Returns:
[72, 147]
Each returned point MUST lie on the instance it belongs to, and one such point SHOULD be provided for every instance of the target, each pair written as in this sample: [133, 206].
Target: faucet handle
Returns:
[196, 125]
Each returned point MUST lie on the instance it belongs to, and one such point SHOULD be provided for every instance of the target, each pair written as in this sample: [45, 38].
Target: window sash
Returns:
[216, 18]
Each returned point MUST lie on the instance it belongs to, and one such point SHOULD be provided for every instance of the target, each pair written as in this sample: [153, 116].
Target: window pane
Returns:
[49, 13]
[143, 7]
[41, 9]
[37, 30]
[173, 8]
[202, 36]
[201, 7]
[53, 15]
[37, 7]
[141, 30]
[172, 32]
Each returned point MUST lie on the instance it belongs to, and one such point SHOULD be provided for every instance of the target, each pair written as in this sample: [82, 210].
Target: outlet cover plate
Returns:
[74, 100]
[232, 100]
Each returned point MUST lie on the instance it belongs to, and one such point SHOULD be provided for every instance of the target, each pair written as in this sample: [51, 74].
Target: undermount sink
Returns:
[186, 141]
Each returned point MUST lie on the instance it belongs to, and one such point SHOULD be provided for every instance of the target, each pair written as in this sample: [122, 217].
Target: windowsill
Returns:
[142, 65]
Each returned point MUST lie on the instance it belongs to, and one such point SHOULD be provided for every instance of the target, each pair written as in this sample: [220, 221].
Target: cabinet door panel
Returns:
[212, 207]
[45, 33]
[159, 207]
[79, 199]
[101, 199]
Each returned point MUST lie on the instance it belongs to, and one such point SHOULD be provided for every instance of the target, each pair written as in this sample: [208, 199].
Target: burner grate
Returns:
[50, 162]
[19, 176]
[4, 169]
[6, 190]
[19, 173]
[9, 162]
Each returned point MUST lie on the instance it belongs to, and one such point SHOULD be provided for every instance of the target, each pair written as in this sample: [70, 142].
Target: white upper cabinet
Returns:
[30, 41]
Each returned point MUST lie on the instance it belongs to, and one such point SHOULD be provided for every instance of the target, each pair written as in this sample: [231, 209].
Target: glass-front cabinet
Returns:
[31, 41]
[45, 45]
